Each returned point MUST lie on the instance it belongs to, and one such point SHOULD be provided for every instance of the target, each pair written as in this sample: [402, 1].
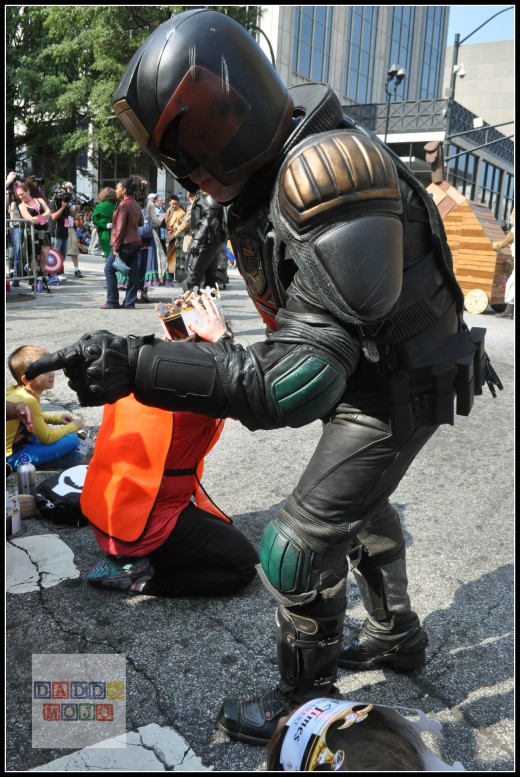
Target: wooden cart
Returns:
[471, 230]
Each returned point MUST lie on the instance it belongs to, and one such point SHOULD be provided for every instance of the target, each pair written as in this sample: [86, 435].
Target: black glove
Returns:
[100, 366]
[194, 250]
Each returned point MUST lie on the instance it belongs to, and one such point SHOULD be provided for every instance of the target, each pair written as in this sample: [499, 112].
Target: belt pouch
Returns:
[401, 421]
[444, 386]
[478, 335]
[465, 384]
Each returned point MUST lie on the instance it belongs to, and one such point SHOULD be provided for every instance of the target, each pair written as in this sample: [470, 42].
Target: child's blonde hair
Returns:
[20, 359]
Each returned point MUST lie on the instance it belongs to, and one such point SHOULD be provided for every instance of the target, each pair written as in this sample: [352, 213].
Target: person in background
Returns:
[102, 217]
[161, 214]
[63, 214]
[125, 243]
[44, 443]
[16, 230]
[35, 209]
[138, 497]
[156, 258]
[207, 239]
[184, 240]
[72, 242]
[174, 215]
[509, 296]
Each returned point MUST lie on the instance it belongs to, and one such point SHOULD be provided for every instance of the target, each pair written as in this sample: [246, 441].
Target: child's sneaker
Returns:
[53, 280]
[122, 574]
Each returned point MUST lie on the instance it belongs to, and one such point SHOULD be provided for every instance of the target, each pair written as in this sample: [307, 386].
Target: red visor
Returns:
[212, 112]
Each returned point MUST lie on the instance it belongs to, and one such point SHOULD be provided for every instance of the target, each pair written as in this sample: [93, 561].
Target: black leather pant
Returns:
[203, 268]
[342, 501]
[346, 487]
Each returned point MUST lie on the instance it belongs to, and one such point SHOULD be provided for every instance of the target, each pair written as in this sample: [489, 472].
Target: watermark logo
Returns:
[78, 700]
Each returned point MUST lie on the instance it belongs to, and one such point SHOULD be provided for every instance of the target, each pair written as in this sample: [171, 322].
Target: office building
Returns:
[353, 48]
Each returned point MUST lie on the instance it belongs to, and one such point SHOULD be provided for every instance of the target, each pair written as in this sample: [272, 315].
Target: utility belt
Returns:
[425, 395]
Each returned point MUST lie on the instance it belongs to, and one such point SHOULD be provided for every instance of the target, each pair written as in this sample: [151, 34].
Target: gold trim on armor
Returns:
[131, 123]
[335, 170]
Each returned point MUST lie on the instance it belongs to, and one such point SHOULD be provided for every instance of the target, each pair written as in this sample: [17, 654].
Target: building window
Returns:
[360, 45]
[402, 20]
[431, 71]
[312, 36]
[489, 186]
[462, 172]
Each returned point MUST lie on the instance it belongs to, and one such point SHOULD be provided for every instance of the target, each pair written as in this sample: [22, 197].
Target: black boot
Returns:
[392, 635]
[507, 313]
[308, 652]
[399, 643]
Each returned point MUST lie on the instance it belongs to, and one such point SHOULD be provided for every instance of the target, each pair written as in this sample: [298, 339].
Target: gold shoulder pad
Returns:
[332, 170]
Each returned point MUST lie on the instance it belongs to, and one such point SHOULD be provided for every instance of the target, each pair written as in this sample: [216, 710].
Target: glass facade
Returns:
[432, 65]
[312, 37]
[402, 21]
[360, 43]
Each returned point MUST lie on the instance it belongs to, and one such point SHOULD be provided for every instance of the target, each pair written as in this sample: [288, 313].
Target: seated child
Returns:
[331, 734]
[149, 513]
[44, 444]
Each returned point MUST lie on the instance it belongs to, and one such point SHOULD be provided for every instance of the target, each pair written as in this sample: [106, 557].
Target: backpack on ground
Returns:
[58, 496]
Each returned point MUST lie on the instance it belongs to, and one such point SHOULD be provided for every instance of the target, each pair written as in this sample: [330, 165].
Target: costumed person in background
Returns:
[146, 467]
[349, 736]
[345, 257]
[102, 217]
[509, 296]
[207, 237]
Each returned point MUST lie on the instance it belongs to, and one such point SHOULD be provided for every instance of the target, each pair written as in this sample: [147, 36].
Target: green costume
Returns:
[102, 216]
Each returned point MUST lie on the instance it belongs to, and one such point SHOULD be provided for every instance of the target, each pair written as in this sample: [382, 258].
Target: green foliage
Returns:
[63, 66]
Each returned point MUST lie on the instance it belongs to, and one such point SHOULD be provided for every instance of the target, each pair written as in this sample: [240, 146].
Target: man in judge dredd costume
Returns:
[345, 259]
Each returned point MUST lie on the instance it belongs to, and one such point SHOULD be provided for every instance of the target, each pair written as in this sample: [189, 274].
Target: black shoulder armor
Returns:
[338, 207]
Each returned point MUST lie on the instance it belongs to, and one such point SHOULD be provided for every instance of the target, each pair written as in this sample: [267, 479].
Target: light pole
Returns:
[456, 68]
[395, 75]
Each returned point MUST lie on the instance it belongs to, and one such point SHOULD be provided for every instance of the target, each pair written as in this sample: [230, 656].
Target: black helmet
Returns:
[200, 92]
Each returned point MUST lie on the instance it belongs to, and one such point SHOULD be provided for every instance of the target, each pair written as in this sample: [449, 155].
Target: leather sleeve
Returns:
[290, 379]
[338, 209]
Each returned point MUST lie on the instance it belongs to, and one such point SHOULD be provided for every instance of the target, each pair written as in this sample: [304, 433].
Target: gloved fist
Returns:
[194, 250]
[100, 366]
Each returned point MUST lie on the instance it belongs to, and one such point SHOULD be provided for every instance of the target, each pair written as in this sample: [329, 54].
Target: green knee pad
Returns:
[285, 561]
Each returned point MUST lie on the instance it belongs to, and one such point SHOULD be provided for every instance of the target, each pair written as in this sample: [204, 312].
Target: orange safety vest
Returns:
[126, 470]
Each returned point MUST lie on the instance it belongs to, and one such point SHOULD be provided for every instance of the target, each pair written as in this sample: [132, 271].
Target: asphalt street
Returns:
[183, 656]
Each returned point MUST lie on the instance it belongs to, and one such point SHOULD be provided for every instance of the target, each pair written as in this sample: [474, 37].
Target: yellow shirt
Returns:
[15, 431]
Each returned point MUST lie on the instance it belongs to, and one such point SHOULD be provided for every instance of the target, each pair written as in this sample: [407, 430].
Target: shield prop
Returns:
[54, 263]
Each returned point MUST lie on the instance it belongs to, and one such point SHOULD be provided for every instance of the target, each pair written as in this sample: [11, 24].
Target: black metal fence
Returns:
[21, 258]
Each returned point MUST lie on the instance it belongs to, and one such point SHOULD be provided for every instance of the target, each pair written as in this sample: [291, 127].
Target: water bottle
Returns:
[39, 286]
[26, 474]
